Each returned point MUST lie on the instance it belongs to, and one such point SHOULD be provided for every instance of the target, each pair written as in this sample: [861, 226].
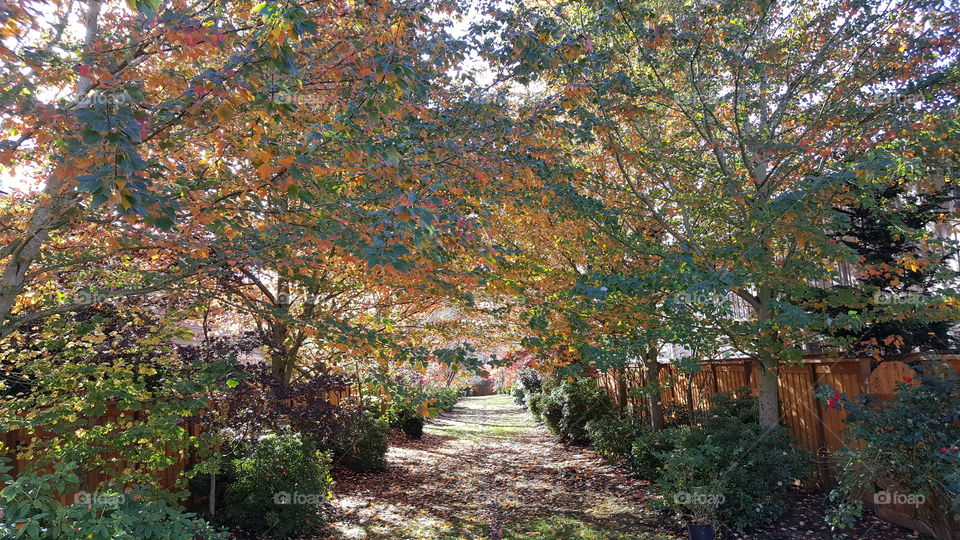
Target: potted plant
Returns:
[702, 507]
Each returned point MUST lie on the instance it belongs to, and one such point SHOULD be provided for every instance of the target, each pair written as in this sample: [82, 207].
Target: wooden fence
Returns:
[12, 444]
[817, 428]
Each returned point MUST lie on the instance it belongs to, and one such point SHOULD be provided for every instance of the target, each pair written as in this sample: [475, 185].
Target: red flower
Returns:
[831, 402]
[907, 379]
[836, 396]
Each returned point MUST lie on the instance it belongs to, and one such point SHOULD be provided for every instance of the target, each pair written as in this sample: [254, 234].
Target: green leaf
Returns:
[392, 157]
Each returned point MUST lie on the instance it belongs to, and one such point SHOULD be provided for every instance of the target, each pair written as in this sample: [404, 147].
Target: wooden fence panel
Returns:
[817, 428]
[799, 409]
[843, 378]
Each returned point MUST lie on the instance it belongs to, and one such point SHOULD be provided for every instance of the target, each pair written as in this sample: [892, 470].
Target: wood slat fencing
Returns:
[12, 444]
[815, 427]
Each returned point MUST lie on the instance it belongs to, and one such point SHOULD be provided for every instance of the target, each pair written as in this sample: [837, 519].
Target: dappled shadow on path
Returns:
[486, 470]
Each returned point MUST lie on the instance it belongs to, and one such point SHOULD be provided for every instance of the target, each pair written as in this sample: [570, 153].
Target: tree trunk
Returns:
[212, 503]
[769, 401]
[691, 412]
[654, 404]
[282, 358]
[622, 388]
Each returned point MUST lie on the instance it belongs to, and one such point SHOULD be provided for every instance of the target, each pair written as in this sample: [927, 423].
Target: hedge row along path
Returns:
[487, 470]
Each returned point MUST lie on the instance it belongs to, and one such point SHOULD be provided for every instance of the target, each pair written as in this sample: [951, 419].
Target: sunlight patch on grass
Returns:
[565, 527]
[482, 417]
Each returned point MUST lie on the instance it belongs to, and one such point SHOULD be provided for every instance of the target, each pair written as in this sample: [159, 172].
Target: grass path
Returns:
[487, 470]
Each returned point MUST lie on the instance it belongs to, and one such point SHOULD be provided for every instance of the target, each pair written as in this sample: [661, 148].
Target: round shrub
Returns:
[444, 399]
[551, 413]
[412, 426]
[403, 416]
[519, 397]
[362, 444]
[729, 468]
[581, 401]
[536, 403]
[612, 436]
[277, 487]
[530, 380]
[648, 449]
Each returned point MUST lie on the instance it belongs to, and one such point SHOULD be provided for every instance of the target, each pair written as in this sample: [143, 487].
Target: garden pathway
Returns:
[487, 470]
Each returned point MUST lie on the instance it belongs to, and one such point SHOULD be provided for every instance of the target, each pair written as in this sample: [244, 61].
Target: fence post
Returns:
[864, 375]
[820, 432]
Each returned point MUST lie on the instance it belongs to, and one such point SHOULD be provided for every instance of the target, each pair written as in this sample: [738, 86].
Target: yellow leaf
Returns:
[224, 112]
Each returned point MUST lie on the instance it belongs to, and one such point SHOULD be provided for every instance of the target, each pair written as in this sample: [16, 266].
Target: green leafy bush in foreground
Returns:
[911, 445]
[32, 509]
[278, 486]
[647, 451]
[729, 468]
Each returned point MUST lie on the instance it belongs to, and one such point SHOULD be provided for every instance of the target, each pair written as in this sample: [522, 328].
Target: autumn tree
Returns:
[737, 127]
[286, 152]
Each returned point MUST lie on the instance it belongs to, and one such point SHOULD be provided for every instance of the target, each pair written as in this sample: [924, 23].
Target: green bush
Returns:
[581, 401]
[676, 415]
[612, 436]
[551, 412]
[647, 451]
[362, 444]
[536, 403]
[277, 487]
[445, 399]
[529, 383]
[403, 415]
[730, 468]
[519, 396]
[32, 509]
[530, 380]
[911, 443]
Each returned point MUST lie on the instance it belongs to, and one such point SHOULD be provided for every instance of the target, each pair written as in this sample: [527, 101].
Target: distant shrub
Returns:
[519, 396]
[612, 436]
[362, 443]
[403, 415]
[530, 380]
[277, 487]
[581, 401]
[444, 399]
[536, 403]
[529, 383]
[551, 412]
